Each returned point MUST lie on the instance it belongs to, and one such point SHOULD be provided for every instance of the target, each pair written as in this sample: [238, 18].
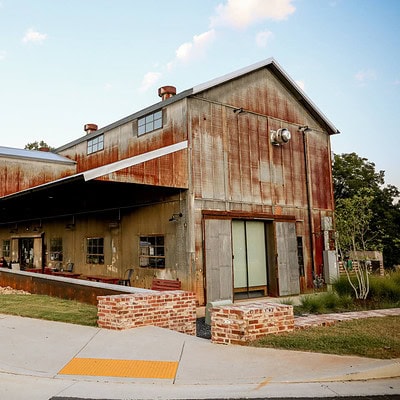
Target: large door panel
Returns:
[256, 253]
[218, 258]
[240, 256]
[288, 265]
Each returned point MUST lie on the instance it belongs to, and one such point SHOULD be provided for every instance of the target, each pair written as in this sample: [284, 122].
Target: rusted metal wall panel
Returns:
[123, 142]
[37, 284]
[19, 174]
[235, 167]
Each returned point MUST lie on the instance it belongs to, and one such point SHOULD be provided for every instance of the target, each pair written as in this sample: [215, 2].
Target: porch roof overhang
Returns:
[74, 196]
[84, 193]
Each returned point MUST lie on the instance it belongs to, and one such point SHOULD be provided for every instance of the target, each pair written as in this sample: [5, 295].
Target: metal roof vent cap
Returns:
[89, 128]
[165, 92]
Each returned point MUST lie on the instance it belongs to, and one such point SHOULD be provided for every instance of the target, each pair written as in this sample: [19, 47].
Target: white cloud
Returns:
[195, 49]
[262, 38]
[149, 79]
[301, 84]
[365, 76]
[241, 14]
[3, 55]
[32, 36]
[396, 82]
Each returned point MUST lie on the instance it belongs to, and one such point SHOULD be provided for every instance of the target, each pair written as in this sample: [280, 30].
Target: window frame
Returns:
[152, 251]
[56, 249]
[95, 257]
[6, 248]
[95, 145]
[150, 122]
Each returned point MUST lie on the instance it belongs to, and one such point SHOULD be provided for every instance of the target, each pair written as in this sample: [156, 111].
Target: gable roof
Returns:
[284, 78]
[269, 63]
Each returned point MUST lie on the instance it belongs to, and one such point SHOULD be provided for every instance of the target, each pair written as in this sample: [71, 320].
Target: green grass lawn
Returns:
[50, 308]
[369, 337]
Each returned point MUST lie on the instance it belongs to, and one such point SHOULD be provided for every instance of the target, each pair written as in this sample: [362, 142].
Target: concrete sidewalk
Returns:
[35, 356]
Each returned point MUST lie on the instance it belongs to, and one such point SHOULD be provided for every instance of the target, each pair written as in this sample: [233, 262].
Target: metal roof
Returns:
[34, 155]
[94, 173]
[269, 63]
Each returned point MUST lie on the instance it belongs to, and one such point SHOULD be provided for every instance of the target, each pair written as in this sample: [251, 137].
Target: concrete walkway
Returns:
[41, 360]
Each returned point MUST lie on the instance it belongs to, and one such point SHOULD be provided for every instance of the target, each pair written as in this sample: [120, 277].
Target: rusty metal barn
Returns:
[226, 186]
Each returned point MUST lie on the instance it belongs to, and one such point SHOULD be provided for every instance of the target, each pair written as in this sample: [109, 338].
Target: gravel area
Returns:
[9, 290]
[202, 329]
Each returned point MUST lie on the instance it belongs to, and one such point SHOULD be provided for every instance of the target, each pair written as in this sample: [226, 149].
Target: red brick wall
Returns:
[175, 310]
[241, 323]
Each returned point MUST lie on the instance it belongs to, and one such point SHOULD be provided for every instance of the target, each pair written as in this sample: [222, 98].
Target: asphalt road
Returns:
[383, 397]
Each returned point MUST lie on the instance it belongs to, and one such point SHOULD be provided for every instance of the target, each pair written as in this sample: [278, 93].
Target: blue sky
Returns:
[67, 63]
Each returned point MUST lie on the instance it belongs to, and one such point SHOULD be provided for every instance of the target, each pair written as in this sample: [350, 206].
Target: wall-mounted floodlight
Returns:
[175, 217]
[281, 136]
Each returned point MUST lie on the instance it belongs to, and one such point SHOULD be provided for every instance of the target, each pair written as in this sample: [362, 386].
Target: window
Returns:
[95, 144]
[300, 255]
[150, 123]
[152, 254]
[95, 250]
[6, 248]
[56, 249]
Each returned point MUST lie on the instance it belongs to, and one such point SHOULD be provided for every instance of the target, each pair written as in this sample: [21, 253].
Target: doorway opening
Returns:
[250, 259]
[26, 253]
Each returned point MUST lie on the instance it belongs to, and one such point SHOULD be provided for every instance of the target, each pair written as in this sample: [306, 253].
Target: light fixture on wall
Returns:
[71, 225]
[280, 137]
[175, 217]
[113, 224]
[304, 129]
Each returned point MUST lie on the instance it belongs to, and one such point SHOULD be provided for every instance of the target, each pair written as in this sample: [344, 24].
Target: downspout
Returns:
[304, 130]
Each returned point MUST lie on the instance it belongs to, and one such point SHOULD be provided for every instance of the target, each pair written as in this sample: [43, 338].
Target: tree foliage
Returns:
[38, 145]
[367, 212]
[352, 173]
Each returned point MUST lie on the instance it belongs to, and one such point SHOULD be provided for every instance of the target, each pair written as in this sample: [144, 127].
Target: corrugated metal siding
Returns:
[258, 172]
[122, 142]
[17, 175]
[236, 168]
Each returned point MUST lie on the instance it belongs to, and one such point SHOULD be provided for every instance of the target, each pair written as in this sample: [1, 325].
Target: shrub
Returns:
[342, 287]
[312, 304]
[385, 288]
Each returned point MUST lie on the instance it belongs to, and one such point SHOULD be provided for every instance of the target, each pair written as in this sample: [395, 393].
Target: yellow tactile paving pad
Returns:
[121, 368]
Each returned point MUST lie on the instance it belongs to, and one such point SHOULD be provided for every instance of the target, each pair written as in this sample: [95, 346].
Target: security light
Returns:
[281, 136]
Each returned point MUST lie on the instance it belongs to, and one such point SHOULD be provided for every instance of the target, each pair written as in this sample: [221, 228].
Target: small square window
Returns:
[95, 144]
[95, 250]
[150, 122]
[152, 251]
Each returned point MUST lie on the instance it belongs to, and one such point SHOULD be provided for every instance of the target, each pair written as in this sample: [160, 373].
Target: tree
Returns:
[352, 173]
[38, 145]
[356, 180]
[353, 223]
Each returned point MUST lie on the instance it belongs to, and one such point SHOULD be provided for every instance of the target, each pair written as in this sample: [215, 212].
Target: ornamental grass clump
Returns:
[385, 289]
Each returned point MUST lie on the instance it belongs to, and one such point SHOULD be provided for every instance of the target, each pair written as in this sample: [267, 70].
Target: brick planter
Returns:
[241, 323]
[175, 310]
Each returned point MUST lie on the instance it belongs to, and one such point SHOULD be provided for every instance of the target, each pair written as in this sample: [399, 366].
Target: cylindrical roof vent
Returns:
[165, 92]
[89, 128]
